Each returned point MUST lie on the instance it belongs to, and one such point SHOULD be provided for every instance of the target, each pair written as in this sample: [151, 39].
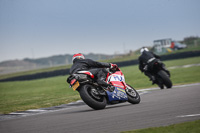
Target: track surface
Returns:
[157, 108]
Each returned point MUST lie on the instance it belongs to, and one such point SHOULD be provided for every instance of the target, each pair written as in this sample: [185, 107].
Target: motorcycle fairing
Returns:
[87, 73]
[118, 94]
[117, 79]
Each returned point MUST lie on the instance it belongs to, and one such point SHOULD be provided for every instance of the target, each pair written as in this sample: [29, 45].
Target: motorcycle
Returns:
[96, 96]
[161, 74]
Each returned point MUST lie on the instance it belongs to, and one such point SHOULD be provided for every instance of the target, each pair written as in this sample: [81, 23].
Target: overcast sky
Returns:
[42, 28]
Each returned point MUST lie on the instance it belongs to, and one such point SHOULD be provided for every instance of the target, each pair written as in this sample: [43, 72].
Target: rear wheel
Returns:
[166, 80]
[133, 96]
[92, 98]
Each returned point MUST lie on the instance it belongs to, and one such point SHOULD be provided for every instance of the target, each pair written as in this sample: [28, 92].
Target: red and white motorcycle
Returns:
[96, 96]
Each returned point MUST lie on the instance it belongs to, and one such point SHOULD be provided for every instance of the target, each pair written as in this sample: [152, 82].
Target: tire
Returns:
[87, 93]
[133, 96]
[166, 80]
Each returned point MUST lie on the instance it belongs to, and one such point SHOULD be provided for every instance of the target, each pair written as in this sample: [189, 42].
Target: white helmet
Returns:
[143, 49]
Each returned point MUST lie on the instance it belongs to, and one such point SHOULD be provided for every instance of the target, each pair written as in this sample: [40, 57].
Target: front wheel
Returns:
[133, 96]
[90, 96]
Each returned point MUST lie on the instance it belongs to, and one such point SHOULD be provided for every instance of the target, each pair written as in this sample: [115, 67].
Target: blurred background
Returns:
[46, 33]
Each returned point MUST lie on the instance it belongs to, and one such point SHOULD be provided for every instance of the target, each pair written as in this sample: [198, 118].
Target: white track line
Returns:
[184, 66]
[175, 86]
[36, 110]
[15, 113]
[192, 115]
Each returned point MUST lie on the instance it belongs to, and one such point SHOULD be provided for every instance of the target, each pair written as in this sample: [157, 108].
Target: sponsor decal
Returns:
[119, 93]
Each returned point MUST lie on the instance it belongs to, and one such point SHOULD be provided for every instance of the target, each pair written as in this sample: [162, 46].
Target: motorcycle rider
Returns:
[146, 61]
[96, 68]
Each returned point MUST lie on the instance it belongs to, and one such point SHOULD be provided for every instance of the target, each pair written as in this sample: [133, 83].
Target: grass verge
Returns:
[186, 127]
[23, 95]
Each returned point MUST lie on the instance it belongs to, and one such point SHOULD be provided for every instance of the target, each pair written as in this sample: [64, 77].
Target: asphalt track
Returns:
[157, 108]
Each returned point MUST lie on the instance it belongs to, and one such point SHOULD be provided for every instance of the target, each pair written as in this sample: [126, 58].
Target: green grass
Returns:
[23, 95]
[17, 96]
[180, 62]
[186, 127]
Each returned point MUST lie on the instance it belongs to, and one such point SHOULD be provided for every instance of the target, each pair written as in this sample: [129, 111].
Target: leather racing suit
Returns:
[146, 61]
[96, 68]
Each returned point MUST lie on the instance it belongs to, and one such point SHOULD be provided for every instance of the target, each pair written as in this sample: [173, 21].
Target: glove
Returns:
[145, 68]
[112, 66]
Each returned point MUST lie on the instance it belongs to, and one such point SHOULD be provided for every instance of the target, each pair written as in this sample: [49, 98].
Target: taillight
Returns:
[72, 81]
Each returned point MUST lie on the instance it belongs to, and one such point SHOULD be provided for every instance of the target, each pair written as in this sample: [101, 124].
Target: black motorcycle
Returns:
[161, 74]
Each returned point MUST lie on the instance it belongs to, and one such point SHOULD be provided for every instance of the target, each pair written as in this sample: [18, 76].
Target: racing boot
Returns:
[152, 78]
[111, 88]
[161, 86]
[105, 85]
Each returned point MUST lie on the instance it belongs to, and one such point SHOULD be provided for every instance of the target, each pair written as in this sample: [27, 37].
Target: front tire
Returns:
[166, 80]
[133, 96]
[90, 96]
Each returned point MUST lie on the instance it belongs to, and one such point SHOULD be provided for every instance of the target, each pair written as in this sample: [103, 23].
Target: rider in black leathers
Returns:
[146, 61]
[96, 68]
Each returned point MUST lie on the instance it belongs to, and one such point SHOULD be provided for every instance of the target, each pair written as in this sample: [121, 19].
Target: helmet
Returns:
[77, 56]
[143, 49]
